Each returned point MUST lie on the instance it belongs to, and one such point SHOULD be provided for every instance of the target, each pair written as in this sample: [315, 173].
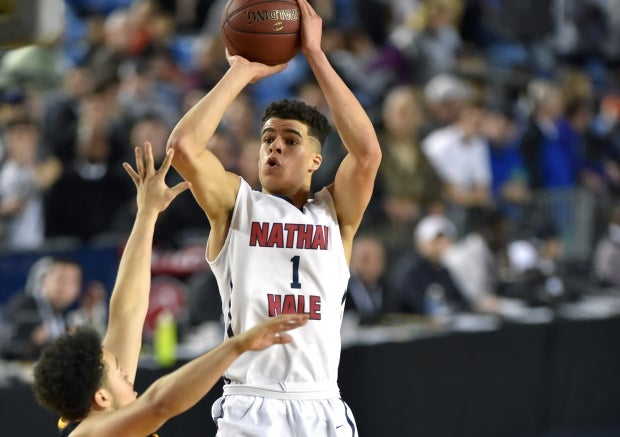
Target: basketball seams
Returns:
[230, 15]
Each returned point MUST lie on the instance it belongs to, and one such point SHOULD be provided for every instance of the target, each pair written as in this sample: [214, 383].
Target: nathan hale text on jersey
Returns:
[291, 235]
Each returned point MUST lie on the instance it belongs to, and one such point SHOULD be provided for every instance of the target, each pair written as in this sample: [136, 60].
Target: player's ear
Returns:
[102, 399]
[317, 159]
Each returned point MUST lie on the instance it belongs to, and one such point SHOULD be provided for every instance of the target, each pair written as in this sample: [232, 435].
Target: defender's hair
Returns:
[69, 373]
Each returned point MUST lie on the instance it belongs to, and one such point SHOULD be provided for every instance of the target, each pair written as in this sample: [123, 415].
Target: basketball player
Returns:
[282, 250]
[91, 385]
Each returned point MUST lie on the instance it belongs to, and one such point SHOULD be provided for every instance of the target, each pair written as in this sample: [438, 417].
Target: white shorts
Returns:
[241, 415]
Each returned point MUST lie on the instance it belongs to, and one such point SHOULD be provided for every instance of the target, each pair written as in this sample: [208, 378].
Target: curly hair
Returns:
[318, 126]
[69, 372]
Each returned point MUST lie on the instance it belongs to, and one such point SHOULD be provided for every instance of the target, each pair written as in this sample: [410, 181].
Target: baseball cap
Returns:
[446, 86]
[431, 226]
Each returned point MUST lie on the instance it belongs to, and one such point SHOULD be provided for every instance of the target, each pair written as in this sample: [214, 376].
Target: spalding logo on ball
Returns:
[262, 31]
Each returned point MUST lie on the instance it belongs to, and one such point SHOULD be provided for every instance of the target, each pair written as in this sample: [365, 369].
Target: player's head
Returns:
[292, 135]
[69, 372]
[318, 126]
[76, 372]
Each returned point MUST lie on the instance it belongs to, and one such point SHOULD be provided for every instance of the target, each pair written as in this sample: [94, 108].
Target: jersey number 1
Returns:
[295, 283]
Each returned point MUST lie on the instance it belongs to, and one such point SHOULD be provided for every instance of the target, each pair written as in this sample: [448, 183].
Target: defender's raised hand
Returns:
[153, 192]
[270, 332]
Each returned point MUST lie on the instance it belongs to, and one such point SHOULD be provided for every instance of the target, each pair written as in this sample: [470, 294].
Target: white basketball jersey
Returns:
[279, 259]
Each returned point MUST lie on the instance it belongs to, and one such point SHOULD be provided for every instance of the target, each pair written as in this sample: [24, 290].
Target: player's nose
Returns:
[276, 145]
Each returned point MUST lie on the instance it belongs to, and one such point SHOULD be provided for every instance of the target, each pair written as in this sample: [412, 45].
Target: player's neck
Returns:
[297, 199]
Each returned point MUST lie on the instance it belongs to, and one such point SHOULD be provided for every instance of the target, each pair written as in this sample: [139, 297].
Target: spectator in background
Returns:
[606, 259]
[509, 180]
[89, 104]
[573, 129]
[549, 160]
[409, 184]
[512, 35]
[445, 96]
[606, 130]
[150, 85]
[61, 112]
[38, 314]
[538, 274]
[367, 294]
[90, 183]
[113, 44]
[460, 155]
[477, 260]
[587, 36]
[13, 105]
[431, 43]
[426, 286]
[23, 178]
[368, 69]
[92, 308]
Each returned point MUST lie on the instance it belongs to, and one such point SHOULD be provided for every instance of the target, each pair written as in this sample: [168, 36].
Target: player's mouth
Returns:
[272, 162]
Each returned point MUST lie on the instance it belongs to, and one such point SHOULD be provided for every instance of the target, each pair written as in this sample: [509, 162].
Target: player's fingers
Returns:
[286, 318]
[132, 173]
[167, 161]
[139, 162]
[305, 8]
[291, 321]
[283, 338]
[180, 187]
[148, 151]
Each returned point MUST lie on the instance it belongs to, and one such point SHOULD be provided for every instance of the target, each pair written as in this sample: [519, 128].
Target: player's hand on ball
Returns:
[311, 27]
[259, 70]
[270, 332]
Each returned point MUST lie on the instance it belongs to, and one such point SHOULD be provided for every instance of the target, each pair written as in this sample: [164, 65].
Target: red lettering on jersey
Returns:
[320, 238]
[301, 304]
[289, 235]
[315, 308]
[258, 234]
[276, 236]
[288, 305]
[294, 304]
[304, 236]
[274, 303]
[291, 231]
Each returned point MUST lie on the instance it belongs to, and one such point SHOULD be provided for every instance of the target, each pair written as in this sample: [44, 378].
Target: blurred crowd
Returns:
[499, 122]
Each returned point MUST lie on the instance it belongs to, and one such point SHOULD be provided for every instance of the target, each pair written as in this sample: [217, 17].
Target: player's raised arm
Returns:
[355, 177]
[130, 297]
[183, 388]
[214, 188]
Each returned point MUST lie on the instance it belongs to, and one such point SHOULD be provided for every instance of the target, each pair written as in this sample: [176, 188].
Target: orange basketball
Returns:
[262, 31]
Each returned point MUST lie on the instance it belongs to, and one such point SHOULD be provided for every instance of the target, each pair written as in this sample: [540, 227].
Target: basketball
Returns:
[261, 30]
